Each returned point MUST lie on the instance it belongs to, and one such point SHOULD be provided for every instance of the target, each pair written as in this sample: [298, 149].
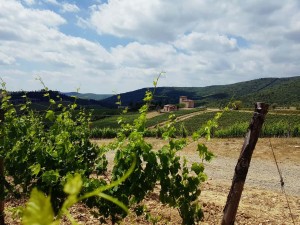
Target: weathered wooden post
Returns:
[2, 178]
[243, 164]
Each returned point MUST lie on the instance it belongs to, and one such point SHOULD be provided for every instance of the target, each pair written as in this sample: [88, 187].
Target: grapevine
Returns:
[48, 150]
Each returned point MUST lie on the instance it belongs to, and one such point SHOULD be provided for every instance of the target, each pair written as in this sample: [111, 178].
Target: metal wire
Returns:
[282, 183]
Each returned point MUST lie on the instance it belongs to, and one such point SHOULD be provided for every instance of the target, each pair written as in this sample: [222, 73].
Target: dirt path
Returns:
[184, 117]
[262, 200]
[180, 118]
[262, 172]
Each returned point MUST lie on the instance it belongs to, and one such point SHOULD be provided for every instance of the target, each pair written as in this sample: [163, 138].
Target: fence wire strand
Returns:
[282, 182]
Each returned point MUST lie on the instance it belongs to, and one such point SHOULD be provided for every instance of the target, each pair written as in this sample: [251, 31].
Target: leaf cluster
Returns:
[39, 208]
[52, 150]
[43, 149]
[177, 179]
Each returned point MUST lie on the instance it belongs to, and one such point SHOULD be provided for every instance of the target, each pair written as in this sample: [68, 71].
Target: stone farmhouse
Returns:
[187, 102]
[169, 108]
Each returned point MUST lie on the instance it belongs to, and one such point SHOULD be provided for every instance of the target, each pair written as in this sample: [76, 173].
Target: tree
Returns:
[181, 105]
[236, 105]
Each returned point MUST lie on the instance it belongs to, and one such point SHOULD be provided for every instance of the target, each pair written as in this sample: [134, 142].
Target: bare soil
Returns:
[262, 200]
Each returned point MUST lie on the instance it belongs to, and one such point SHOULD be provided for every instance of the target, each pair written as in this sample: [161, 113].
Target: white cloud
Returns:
[143, 56]
[29, 2]
[241, 40]
[53, 2]
[83, 23]
[26, 19]
[32, 41]
[5, 59]
[206, 42]
[156, 20]
[197, 43]
[67, 7]
[144, 20]
[64, 6]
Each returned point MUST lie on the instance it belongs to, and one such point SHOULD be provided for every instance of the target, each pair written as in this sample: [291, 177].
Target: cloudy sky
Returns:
[121, 45]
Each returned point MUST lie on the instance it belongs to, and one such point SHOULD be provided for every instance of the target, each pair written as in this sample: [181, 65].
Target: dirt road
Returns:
[262, 200]
[263, 172]
[181, 118]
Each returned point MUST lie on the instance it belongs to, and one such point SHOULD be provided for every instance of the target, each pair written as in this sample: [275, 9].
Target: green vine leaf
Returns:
[50, 176]
[52, 102]
[35, 169]
[38, 210]
[73, 185]
[197, 168]
[50, 115]
[204, 153]
[23, 107]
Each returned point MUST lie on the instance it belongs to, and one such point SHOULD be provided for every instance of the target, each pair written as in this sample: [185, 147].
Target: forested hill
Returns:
[88, 95]
[279, 91]
[39, 100]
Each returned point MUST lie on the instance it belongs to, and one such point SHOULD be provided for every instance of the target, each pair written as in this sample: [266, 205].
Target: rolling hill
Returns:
[283, 92]
[88, 95]
[40, 102]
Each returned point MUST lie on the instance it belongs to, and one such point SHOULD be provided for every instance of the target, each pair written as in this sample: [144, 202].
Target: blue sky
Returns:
[121, 45]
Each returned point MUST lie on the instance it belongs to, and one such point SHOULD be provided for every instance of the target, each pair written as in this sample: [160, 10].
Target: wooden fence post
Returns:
[2, 178]
[243, 164]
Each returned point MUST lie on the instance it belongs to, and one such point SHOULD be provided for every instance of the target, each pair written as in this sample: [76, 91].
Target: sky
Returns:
[116, 46]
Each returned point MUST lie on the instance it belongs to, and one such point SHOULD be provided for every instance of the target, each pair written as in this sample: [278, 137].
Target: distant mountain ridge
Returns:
[38, 98]
[283, 92]
[280, 91]
[88, 95]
